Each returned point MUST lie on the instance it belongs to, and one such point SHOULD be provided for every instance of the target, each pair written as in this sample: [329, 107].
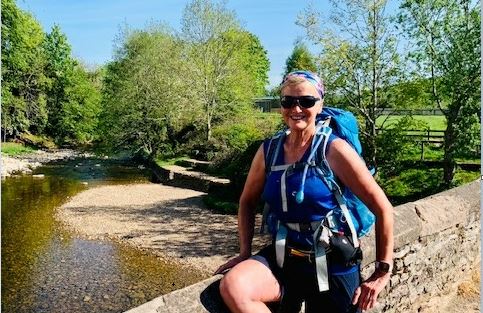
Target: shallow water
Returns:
[46, 268]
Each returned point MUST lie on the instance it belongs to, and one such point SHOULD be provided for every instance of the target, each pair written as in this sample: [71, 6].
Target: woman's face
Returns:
[298, 118]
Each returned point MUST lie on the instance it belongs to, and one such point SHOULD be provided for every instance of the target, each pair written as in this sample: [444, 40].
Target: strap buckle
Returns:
[310, 256]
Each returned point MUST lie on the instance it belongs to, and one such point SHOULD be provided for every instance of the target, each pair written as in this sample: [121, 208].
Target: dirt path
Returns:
[171, 222]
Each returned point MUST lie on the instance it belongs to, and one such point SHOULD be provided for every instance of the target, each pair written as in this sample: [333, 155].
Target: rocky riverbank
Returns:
[27, 162]
[171, 222]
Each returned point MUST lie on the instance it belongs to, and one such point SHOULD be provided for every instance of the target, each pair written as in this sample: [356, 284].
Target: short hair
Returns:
[297, 77]
[293, 81]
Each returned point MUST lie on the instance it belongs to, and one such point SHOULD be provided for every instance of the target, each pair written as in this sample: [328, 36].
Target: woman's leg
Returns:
[248, 286]
[338, 299]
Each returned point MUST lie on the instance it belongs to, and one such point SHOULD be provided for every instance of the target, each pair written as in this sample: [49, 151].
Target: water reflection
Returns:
[47, 269]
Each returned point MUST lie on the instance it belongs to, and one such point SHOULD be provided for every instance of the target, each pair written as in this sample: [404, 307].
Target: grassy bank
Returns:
[417, 183]
[15, 149]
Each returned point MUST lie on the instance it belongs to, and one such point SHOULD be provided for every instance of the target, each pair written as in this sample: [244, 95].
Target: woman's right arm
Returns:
[247, 208]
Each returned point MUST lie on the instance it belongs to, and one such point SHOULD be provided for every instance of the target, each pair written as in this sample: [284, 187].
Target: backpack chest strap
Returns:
[303, 227]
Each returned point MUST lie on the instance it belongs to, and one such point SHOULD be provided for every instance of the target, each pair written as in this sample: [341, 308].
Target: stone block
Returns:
[440, 212]
[410, 259]
[399, 265]
[470, 194]
[404, 277]
[407, 225]
[368, 244]
[401, 252]
[394, 280]
[198, 298]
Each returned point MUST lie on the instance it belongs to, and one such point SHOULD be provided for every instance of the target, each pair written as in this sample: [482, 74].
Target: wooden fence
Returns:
[423, 137]
[426, 137]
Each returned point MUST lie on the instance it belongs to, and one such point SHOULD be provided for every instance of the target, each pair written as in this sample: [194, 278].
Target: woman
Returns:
[255, 281]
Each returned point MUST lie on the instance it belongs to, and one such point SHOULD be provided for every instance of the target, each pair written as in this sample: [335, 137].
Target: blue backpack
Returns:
[344, 125]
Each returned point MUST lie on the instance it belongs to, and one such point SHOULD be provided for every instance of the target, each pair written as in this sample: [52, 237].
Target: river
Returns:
[46, 268]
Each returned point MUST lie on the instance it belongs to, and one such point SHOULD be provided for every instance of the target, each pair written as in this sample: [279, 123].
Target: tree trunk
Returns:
[208, 127]
[449, 163]
[370, 151]
[209, 116]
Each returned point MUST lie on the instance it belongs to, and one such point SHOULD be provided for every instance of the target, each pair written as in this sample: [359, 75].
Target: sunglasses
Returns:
[288, 102]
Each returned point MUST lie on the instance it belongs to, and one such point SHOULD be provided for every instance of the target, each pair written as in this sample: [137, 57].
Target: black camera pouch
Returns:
[343, 252]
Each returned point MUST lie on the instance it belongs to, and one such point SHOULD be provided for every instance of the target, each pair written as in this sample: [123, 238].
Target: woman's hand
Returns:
[366, 294]
[231, 263]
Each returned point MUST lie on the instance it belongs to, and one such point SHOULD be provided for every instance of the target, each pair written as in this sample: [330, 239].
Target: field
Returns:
[433, 122]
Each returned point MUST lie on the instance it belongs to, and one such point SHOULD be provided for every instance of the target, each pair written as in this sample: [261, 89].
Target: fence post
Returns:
[422, 150]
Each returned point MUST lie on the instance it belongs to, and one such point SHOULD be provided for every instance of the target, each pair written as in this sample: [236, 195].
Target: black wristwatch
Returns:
[383, 267]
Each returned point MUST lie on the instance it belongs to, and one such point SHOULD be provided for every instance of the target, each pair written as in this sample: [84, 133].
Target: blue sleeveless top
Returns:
[318, 200]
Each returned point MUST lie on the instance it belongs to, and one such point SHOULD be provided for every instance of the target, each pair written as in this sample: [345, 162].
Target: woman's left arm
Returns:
[353, 173]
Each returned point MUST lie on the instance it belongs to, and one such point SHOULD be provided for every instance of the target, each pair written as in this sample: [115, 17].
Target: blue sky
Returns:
[92, 25]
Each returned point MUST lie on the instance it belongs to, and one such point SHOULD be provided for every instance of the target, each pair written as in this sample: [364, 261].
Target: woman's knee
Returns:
[249, 281]
[233, 286]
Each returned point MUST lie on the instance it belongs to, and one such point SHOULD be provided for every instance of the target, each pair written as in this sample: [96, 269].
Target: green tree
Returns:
[60, 70]
[162, 88]
[147, 98]
[23, 80]
[358, 60]
[73, 99]
[208, 29]
[79, 118]
[255, 63]
[248, 74]
[446, 37]
[300, 59]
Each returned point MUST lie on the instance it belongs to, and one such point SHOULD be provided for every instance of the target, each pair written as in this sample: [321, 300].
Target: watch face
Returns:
[383, 267]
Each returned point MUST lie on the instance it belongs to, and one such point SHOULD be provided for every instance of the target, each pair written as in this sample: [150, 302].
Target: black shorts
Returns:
[299, 283]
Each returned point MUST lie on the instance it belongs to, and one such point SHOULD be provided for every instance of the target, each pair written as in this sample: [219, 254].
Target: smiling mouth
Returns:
[297, 117]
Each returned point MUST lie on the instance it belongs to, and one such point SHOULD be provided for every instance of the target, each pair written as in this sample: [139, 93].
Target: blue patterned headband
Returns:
[311, 77]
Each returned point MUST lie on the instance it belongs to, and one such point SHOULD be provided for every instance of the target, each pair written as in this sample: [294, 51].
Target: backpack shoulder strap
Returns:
[324, 170]
[272, 149]
[324, 130]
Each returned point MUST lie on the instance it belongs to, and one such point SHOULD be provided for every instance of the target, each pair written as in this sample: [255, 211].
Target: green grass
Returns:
[434, 122]
[220, 205]
[462, 177]
[431, 153]
[434, 152]
[15, 149]
[416, 183]
[170, 161]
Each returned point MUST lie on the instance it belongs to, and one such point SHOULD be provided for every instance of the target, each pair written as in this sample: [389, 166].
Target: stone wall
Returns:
[442, 246]
[437, 241]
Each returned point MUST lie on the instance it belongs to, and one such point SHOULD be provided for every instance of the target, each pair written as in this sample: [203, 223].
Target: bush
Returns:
[234, 145]
[41, 142]
[394, 147]
[411, 184]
